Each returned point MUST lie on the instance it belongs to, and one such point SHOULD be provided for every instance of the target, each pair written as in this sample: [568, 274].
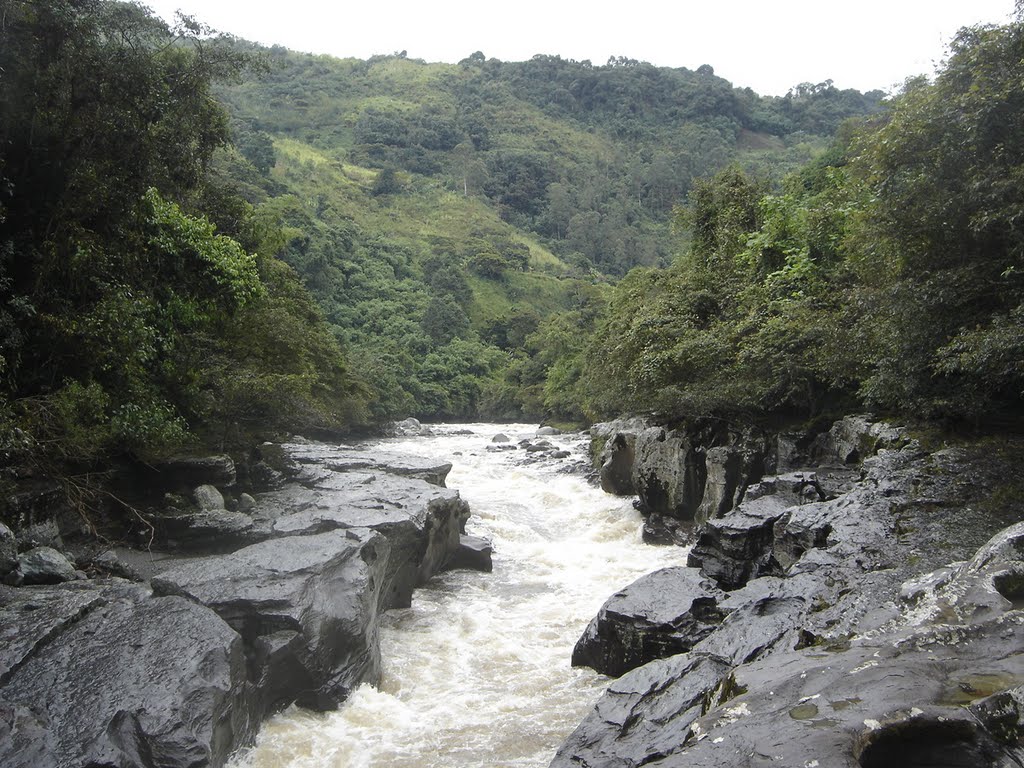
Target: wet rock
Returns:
[738, 547]
[646, 713]
[500, 438]
[110, 676]
[208, 498]
[407, 428]
[560, 454]
[474, 553]
[320, 458]
[669, 473]
[543, 445]
[661, 530]
[855, 438]
[217, 530]
[110, 564]
[723, 484]
[192, 471]
[421, 521]
[42, 565]
[658, 615]
[305, 606]
[547, 431]
[246, 503]
[615, 442]
[501, 448]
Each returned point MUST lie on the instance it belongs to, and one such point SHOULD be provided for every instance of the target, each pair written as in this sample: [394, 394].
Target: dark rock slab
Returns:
[215, 530]
[738, 547]
[42, 565]
[345, 459]
[112, 677]
[658, 615]
[187, 472]
[474, 554]
[305, 606]
[422, 521]
[646, 713]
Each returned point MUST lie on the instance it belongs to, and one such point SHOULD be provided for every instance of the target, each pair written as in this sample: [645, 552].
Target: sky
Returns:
[765, 45]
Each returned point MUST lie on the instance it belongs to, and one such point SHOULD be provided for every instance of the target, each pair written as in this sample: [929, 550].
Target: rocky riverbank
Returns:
[243, 604]
[853, 599]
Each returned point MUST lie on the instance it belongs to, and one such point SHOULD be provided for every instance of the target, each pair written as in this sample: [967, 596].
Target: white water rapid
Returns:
[476, 673]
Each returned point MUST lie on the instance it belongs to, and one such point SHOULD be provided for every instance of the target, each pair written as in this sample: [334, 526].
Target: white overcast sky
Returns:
[768, 46]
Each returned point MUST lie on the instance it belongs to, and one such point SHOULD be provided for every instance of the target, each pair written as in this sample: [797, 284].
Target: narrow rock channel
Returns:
[477, 671]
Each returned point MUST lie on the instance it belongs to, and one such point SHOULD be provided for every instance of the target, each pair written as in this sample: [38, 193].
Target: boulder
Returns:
[501, 437]
[474, 554]
[658, 615]
[407, 428]
[42, 565]
[246, 503]
[105, 676]
[614, 445]
[854, 438]
[421, 521]
[318, 459]
[724, 482]
[738, 547]
[216, 530]
[548, 431]
[191, 471]
[306, 608]
[208, 498]
[646, 713]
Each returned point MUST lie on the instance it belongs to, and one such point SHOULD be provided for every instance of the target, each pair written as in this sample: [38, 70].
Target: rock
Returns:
[474, 553]
[8, 550]
[543, 445]
[208, 498]
[501, 437]
[421, 521]
[217, 530]
[191, 471]
[560, 454]
[246, 503]
[547, 431]
[669, 473]
[110, 676]
[646, 713]
[723, 483]
[738, 547]
[855, 438]
[501, 447]
[407, 428]
[659, 530]
[658, 615]
[615, 446]
[318, 459]
[109, 563]
[305, 606]
[43, 565]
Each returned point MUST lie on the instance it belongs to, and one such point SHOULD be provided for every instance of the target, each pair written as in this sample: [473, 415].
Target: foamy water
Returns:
[476, 672]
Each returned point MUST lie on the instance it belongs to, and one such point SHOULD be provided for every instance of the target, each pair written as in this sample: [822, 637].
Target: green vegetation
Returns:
[345, 242]
[460, 224]
[131, 323]
[886, 273]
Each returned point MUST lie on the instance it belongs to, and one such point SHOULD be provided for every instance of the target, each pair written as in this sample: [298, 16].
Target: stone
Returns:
[216, 530]
[422, 521]
[645, 714]
[208, 498]
[547, 431]
[474, 553]
[723, 484]
[658, 615]
[560, 454]
[407, 428]
[306, 608]
[854, 438]
[246, 503]
[315, 458]
[501, 437]
[43, 565]
[105, 676]
[191, 471]
[738, 547]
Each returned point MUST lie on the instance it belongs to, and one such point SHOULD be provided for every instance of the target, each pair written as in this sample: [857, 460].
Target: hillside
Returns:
[442, 214]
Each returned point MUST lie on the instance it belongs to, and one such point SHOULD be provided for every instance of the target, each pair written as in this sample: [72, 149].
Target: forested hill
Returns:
[445, 215]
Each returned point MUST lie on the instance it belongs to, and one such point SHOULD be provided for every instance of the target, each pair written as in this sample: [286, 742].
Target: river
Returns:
[476, 672]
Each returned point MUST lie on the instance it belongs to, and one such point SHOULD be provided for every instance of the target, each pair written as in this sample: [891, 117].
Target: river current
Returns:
[476, 672]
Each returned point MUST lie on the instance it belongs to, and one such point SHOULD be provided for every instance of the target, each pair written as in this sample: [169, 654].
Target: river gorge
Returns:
[477, 672]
